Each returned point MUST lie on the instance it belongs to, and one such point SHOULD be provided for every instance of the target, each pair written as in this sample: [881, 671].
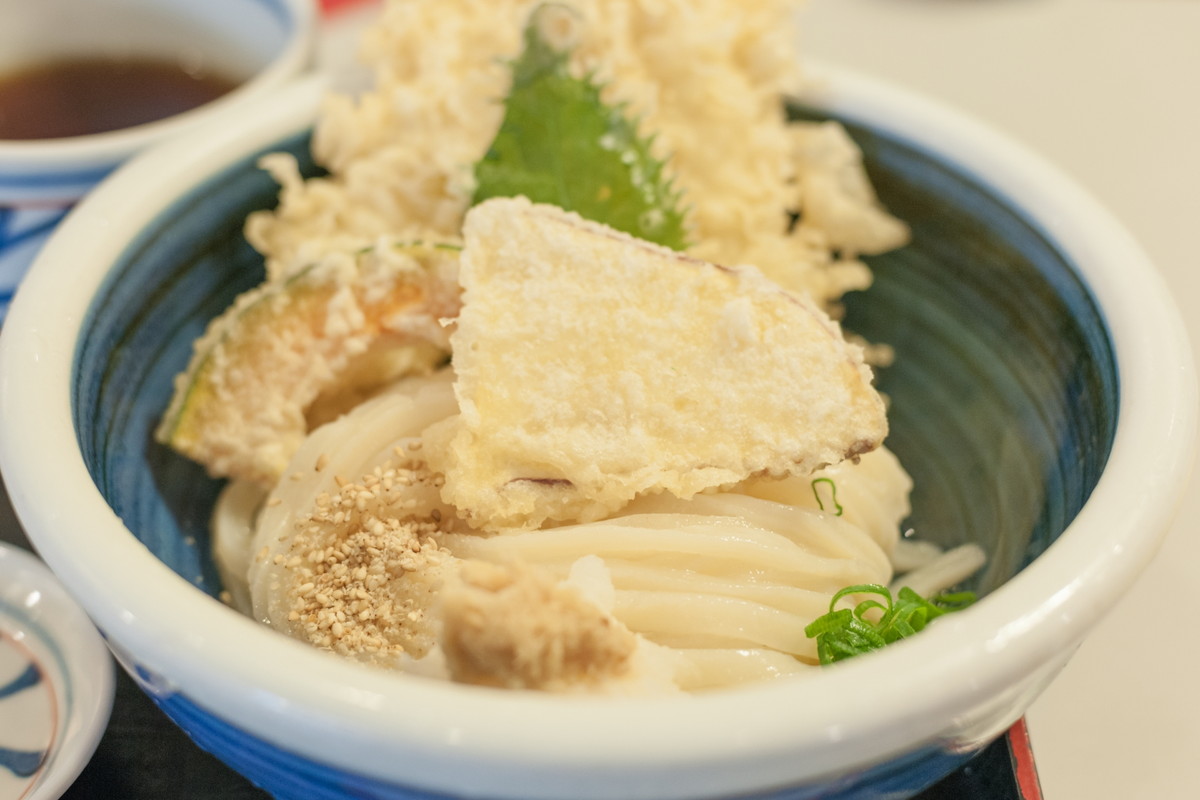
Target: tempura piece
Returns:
[516, 628]
[239, 408]
[593, 367]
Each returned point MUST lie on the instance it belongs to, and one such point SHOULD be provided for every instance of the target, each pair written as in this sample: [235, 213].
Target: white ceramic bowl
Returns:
[1086, 384]
[267, 41]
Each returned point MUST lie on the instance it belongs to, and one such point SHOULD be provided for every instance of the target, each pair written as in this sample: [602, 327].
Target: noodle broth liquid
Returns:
[83, 96]
[86, 84]
[71, 68]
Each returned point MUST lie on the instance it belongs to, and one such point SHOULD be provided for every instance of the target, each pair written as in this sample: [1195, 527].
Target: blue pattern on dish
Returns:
[165, 500]
[67, 181]
[1004, 402]
[32, 676]
[38, 222]
[1004, 377]
[22, 234]
[21, 763]
[288, 776]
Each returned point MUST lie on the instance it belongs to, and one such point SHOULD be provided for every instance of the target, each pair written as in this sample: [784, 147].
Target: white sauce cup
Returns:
[261, 43]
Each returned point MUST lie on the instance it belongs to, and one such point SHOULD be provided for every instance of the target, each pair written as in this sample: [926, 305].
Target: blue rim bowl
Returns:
[1042, 396]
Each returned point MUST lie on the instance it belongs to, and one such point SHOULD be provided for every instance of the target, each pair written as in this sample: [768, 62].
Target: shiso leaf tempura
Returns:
[545, 387]
[560, 143]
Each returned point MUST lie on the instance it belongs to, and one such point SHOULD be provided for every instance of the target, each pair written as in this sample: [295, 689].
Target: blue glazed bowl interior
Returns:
[1003, 392]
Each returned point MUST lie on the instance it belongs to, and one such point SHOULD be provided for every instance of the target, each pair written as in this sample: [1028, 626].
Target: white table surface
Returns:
[1110, 91]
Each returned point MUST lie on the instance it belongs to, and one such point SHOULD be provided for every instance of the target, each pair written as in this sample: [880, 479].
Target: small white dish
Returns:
[260, 44]
[56, 681]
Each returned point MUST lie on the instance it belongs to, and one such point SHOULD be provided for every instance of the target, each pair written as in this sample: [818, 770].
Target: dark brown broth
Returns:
[93, 95]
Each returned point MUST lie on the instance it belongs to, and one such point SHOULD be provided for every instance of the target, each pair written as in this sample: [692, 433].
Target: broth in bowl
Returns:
[85, 96]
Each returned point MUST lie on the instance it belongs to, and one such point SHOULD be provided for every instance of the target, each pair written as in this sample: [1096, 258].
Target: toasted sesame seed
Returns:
[364, 561]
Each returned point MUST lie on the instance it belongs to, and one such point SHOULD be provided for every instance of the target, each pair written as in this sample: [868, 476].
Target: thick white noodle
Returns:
[713, 668]
[347, 448]
[872, 493]
[721, 585]
[912, 553]
[729, 580]
[232, 527]
[950, 568]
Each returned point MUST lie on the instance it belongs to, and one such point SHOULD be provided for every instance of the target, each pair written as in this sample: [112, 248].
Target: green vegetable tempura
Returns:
[561, 144]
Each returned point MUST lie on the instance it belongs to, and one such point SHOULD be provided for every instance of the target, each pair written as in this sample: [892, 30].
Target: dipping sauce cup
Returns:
[85, 84]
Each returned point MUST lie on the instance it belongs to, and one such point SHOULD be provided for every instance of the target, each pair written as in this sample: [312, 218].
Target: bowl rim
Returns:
[464, 739]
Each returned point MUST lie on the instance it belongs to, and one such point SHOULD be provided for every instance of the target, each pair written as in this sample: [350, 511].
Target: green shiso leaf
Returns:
[847, 632]
[560, 144]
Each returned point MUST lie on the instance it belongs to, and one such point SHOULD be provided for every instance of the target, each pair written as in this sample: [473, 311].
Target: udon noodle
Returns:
[723, 583]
